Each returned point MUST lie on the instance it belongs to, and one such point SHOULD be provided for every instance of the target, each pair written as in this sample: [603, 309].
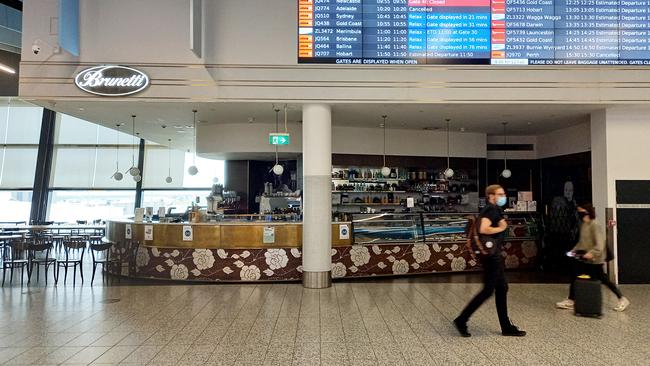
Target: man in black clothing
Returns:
[491, 233]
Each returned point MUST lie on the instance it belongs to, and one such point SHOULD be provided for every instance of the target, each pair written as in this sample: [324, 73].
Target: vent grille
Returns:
[511, 147]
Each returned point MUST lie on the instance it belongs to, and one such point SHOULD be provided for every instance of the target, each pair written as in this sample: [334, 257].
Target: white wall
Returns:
[567, 141]
[599, 173]
[220, 139]
[619, 137]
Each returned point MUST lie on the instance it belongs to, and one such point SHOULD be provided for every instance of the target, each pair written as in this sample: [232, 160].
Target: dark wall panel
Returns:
[9, 82]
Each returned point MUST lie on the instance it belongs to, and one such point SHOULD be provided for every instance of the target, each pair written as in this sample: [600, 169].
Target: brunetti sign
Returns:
[112, 80]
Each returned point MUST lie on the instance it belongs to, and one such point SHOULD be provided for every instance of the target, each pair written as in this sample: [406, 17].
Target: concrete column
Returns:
[317, 195]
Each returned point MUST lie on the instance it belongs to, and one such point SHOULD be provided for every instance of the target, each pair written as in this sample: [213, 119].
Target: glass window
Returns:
[24, 124]
[156, 169]
[73, 167]
[180, 199]
[85, 155]
[69, 206]
[18, 167]
[16, 205]
[74, 131]
[20, 122]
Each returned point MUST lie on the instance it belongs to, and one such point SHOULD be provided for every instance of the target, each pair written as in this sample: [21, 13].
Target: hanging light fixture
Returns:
[117, 175]
[506, 173]
[169, 162]
[277, 168]
[449, 173]
[137, 178]
[193, 170]
[133, 170]
[385, 171]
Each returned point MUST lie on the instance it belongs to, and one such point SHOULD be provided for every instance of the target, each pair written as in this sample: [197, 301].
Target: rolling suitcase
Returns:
[588, 297]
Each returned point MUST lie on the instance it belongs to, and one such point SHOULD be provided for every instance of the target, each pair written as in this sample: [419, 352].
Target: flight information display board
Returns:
[496, 32]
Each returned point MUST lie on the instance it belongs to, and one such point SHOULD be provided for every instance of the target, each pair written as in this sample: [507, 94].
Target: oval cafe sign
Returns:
[112, 80]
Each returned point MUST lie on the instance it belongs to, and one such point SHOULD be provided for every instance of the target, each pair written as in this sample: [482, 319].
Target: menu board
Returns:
[496, 32]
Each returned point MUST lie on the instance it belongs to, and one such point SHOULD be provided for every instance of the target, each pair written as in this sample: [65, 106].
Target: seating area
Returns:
[49, 253]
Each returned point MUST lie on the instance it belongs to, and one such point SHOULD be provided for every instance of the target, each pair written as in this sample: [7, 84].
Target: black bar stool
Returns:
[14, 256]
[100, 249]
[74, 248]
[39, 255]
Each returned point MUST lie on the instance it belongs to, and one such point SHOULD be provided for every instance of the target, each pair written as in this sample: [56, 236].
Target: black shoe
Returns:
[513, 331]
[462, 328]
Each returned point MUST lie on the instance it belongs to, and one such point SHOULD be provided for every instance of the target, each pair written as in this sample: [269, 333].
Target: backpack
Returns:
[473, 243]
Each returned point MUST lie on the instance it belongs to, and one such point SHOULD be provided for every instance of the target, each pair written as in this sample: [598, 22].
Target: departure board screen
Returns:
[490, 32]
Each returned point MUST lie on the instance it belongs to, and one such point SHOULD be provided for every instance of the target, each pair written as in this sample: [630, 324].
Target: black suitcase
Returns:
[588, 298]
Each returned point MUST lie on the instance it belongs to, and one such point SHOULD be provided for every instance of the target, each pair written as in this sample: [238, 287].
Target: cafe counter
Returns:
[272, 251]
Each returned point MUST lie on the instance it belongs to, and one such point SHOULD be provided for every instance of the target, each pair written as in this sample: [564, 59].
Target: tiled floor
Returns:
[391, 322]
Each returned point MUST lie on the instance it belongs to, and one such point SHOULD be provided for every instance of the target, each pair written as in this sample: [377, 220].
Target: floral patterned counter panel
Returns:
[286, 264]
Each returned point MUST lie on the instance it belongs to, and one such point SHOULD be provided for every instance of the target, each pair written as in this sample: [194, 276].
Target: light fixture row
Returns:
[134, 171]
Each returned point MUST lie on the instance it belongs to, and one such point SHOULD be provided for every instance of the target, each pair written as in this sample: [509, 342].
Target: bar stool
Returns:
[100, 252]
[74, 248]
[14, 255]
[39, 254]
[124, 252]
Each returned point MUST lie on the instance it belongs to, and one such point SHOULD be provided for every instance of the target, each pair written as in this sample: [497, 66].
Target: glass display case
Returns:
[444, 228]
[387, 228]
[391, 228]
[523, 226]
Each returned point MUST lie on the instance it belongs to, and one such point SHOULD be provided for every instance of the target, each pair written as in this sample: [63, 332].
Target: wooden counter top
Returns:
[221, 235]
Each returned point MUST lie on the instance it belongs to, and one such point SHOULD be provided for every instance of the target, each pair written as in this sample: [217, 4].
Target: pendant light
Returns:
[133, 170]
[385, 171]
[277, 168]
[506, 173]
[137, 178]
[169, 161]
[193, 170]
[449, 173]
[117, 175]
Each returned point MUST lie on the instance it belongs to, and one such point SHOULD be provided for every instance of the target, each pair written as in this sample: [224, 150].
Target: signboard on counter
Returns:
[269, 235]
[148, 232]
[344, 232]
[279, 139]
[128, 232]
[188, 233]
[112, 80]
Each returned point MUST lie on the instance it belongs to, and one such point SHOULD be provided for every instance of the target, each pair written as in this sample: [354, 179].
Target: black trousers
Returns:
[494, 282]
[594, 271]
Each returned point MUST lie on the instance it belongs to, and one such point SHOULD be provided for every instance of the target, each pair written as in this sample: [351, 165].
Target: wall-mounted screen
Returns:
[490, 32]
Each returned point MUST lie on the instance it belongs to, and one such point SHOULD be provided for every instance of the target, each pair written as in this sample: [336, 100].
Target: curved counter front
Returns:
[272, 251]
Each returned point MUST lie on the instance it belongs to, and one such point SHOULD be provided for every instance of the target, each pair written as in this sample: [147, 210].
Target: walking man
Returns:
[492, 227]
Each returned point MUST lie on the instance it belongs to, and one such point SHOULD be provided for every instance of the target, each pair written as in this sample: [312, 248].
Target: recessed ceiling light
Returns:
[462, 129]
[179, 126]
[180, 131]
[82, 109]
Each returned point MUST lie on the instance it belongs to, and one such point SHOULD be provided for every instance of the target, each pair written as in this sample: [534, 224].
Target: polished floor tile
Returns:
[383, 322]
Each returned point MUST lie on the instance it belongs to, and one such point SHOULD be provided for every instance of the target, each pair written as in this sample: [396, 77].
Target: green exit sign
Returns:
[279, 139]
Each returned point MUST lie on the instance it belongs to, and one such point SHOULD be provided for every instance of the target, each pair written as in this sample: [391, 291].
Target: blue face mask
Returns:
[501, 201]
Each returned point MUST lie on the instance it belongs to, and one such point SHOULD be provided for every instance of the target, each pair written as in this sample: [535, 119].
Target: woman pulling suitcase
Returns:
[592, 244]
